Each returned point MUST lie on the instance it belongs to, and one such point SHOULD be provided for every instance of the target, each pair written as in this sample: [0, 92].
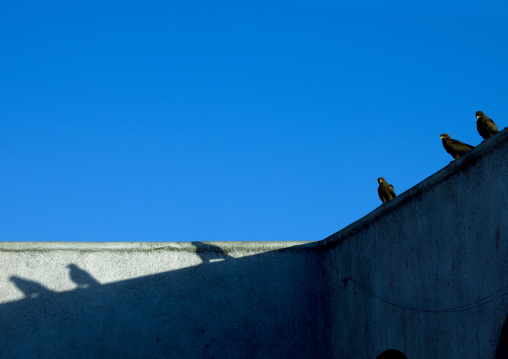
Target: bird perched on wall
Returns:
[385, 190]
[486, 127]
[454, 147]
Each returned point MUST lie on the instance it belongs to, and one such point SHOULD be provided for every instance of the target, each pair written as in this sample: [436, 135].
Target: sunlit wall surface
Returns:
[161, 300]
[422, 276]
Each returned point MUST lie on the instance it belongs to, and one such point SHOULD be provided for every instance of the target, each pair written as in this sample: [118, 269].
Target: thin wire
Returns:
[472, 305]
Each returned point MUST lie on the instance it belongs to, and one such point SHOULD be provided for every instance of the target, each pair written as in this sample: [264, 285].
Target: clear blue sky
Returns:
[227, 120]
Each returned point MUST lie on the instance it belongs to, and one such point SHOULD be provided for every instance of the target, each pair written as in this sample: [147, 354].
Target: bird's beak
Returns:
[478, 117]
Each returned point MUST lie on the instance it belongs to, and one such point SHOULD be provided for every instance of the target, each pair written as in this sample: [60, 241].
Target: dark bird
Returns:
[486, 127]
[29, 288]
[454, 147]
[385, 190]
[82, 278]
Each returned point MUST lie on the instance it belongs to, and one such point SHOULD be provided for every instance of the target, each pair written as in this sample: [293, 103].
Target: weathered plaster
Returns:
[426, 274]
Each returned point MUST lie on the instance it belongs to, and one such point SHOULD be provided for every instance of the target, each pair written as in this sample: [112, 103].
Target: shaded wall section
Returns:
[427, 273]
[422, 276]
[163, 300]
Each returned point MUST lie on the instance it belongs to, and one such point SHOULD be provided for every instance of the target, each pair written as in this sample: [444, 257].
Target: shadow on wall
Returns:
[391, 354]
[209, 252]
[29, 288]
[502, 347]
[259, 306]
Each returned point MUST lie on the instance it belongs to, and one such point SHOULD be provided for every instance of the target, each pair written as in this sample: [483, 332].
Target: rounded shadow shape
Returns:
[391, 354]
[502, 346]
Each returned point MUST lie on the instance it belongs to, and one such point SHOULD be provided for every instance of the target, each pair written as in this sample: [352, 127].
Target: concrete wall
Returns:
[162, 300]
[427, 273]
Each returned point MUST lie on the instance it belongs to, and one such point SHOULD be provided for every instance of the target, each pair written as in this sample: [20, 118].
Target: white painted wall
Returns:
[385, 282]
[162, 300]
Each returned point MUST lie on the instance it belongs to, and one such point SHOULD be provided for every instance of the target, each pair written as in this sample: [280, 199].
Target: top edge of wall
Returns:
[154, 246]
[455, 167]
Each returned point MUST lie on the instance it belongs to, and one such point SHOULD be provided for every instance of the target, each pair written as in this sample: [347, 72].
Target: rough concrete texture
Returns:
[162, 300]
[427, 273]
[422, 276]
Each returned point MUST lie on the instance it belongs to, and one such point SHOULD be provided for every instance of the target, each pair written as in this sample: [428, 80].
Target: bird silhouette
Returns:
[82, 278]
[29, 288]
[209, 252]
